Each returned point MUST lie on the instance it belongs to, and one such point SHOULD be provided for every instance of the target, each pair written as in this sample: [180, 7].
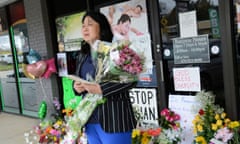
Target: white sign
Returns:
[146, 101]
[187, 79]
[183, 105]
[188, 24]
[62, 64]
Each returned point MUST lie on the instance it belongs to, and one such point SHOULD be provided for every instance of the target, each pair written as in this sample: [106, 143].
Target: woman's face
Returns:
[125, 27]
[90, 30]
[137, 10]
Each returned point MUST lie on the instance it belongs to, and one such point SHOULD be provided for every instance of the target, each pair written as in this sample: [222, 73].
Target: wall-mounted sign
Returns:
[188, 24]
[191, 50]
[62, 64]
[187, 79]
[69, 34]
[148, 79]
[145, 100]
[213, 14]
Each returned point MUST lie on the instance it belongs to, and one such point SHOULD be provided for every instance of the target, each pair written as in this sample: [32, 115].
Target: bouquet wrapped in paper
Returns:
[120, 62]
[116, 62]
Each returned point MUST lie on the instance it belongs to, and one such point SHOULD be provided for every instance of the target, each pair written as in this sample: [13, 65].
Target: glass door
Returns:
[8, 85]
[27, 88]
[17, 91]
[206, 13]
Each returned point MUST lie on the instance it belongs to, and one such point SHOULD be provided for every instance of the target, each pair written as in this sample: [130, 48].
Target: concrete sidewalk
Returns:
[13, 127]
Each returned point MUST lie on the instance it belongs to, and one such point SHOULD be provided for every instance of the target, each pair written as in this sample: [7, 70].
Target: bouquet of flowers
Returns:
[50, 130]
[168, 131]
[211, 124]
[116, 62]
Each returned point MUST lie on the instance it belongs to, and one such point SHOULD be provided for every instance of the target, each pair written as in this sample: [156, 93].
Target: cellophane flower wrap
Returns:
[116, 62]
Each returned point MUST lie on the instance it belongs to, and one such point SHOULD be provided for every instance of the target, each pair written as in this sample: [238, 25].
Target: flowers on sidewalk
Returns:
[168, 131]
[50, 130]
[211, 124]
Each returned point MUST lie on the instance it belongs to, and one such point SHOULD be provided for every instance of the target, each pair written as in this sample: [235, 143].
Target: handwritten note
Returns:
[183, 105]
[187, 79]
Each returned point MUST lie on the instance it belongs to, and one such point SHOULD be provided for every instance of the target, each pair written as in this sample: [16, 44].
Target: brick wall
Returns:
[40, 40]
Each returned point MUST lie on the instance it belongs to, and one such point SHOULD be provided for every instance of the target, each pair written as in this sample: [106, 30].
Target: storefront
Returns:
[189, 45]
[168, 21]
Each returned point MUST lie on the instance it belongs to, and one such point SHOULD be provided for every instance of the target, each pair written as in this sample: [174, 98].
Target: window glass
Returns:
[207, 18]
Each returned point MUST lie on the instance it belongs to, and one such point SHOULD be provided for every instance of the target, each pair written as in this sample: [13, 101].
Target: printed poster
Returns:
[188, 24]
[69, 33]
[145, 101]
[62, 64]
[129, 21]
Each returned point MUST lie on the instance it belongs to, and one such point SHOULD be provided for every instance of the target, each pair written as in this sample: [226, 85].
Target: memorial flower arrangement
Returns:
[211, 124]
[168, 131]
[50, 130]
[116, 62]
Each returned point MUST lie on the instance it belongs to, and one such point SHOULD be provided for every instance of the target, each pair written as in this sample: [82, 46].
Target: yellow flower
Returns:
[223, 115]
[59, 122]
[135, 133]
[214, 127]
[145, 134]
[145, 140]
[54, 138]
[201, 140]
[234, 124]
[199, 128]
[103, 48]
[227, 120]
[219, 122]
[217, 117]
[197, 118]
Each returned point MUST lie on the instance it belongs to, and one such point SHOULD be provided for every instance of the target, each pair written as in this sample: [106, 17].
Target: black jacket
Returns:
[116, 114]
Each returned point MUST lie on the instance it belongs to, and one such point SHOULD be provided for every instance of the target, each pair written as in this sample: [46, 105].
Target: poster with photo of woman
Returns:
[129, 21]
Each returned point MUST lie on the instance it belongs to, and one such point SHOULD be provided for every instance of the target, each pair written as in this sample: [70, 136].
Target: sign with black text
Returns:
[145, 100]
[191, 50]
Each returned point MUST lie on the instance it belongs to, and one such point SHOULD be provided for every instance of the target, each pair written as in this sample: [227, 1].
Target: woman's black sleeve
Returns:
[111, 88]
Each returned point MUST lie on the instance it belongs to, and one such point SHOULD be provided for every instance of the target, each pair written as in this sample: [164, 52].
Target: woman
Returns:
[123, 27]
[111, 122]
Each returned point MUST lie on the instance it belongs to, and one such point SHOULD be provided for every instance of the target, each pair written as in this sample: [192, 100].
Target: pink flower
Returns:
[129, 61]
[165, 112]
[224, 134]
[55, 132]
[176, 117]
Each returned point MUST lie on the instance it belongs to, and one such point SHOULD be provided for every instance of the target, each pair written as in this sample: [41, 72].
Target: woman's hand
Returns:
[78, 87]
[92, 88]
